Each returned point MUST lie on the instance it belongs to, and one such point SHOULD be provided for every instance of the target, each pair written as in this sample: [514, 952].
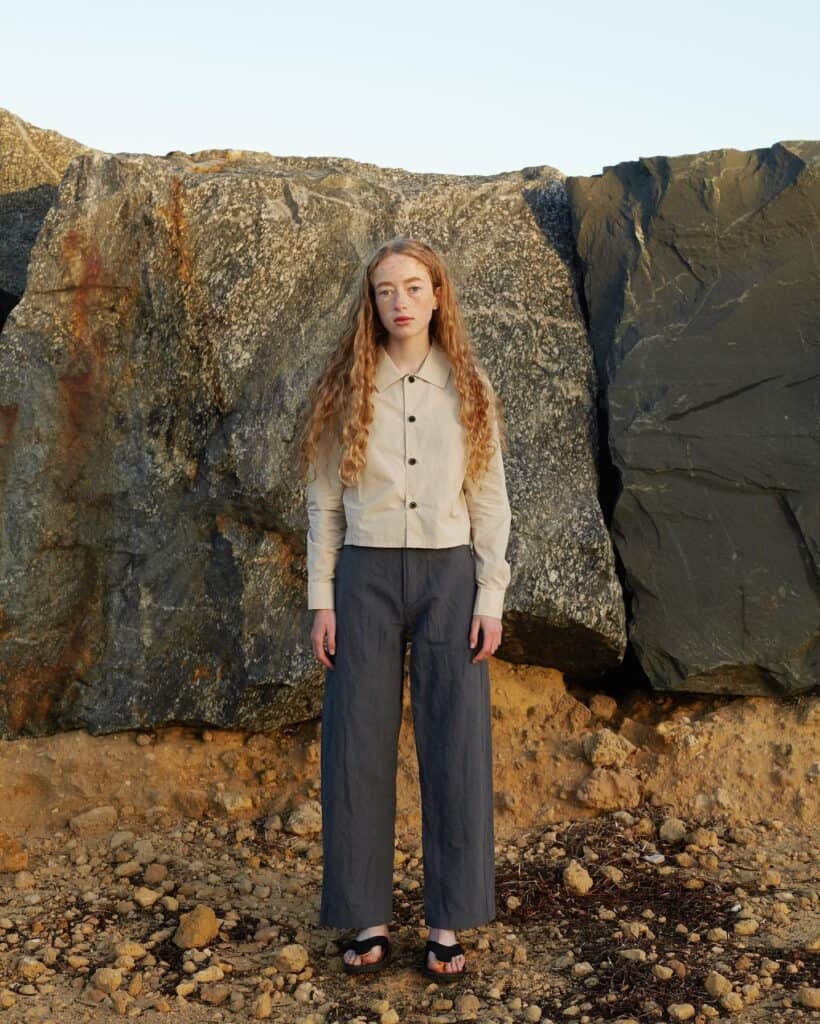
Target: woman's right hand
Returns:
[324, 632]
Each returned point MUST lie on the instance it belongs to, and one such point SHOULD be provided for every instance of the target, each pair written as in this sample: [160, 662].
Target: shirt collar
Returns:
[435, 368]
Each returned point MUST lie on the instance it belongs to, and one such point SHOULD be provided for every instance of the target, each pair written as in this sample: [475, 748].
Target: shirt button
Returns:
[411, 418]
[412, 504]
[412, 462]
[411, 379]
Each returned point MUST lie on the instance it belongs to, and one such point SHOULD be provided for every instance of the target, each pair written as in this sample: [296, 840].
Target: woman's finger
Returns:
[319, 650]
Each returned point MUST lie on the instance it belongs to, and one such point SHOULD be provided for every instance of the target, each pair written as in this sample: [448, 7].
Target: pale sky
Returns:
[461, 88]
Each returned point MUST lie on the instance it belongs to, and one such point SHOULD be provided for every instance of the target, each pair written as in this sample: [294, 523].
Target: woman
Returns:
[408, 528]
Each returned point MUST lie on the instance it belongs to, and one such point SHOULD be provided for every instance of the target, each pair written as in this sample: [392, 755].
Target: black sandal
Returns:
[443, 953]
[360, 946]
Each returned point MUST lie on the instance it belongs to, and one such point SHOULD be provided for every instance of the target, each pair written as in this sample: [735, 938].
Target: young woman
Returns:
[408, 528]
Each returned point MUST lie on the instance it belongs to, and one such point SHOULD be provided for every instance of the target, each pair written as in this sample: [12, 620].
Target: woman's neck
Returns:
[408, 354]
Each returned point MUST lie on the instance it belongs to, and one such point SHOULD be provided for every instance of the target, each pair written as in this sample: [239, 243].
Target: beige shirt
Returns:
[412, 490]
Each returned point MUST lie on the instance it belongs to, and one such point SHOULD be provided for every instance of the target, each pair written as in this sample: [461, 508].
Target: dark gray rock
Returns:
[32, 162]
[153, 526]
[701, 281]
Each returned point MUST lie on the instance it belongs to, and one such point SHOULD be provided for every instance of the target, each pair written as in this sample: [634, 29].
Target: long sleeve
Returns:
[490, 520]
[327, 524]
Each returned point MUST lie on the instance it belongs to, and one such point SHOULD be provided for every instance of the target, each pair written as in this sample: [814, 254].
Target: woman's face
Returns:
[405, 297]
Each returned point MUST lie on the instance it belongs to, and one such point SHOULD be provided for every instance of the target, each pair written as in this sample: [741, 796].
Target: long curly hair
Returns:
[340, 399]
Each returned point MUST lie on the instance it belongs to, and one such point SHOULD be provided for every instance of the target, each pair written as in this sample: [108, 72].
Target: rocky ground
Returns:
[656, 860]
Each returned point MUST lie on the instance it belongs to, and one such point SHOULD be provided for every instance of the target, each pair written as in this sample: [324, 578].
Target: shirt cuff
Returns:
[489, 602]
[321, 595]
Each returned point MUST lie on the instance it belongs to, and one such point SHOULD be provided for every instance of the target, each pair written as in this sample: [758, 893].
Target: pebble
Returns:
[809, 997]
[292, 958]
[577, 878]
[107, 979]
[716, 985]
[196, 928]
[680, 1011]
[672, 830]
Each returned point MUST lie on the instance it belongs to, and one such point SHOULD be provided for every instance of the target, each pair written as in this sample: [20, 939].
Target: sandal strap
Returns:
[360, 946]
[444, 952]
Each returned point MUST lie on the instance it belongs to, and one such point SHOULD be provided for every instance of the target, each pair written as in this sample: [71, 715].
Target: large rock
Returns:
[32, 162]
[153, 525]
[701, 281]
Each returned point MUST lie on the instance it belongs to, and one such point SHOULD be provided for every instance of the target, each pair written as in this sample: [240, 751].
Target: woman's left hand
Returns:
[491, 632]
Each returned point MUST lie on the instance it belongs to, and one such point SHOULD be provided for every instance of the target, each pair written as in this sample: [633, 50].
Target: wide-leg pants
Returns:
[385, 597]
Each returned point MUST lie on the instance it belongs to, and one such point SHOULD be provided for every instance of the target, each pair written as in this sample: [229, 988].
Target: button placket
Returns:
[409, 444]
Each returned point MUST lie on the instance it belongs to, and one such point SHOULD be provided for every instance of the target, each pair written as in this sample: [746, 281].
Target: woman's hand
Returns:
[491, 632]
[324, 632]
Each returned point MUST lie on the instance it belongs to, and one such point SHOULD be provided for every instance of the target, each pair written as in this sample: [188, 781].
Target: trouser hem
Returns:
[455, 924]
[332, 921]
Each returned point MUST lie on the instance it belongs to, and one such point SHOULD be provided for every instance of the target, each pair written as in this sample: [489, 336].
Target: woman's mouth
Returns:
[403, 319]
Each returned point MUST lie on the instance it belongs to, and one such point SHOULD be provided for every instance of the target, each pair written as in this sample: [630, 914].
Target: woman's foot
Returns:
[446, 938]
[372, 955]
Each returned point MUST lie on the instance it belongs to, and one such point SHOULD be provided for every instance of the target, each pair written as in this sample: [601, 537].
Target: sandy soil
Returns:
[656, 860]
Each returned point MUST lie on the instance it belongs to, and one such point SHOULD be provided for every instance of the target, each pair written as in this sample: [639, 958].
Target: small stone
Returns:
[235, 804]
[673, 830]
[607, 749]
[577, 878]
[107, 979]
[214, 994]
[680, 1011]
[94, 820]
[716, 985]
[306, 819]
[292, 958]
[128, 869]
[121, 1000]
[212, 973]
[30, 968]
[196, 928]
[155, 873]
[262, 1006]
[145, 897]
[732, 1002]
[144, 851]
[809, 997]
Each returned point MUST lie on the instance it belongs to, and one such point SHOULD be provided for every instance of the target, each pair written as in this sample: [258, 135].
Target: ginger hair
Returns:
[340, 399]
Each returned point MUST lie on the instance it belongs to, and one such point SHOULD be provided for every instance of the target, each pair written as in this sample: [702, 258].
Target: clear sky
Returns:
[428, 86]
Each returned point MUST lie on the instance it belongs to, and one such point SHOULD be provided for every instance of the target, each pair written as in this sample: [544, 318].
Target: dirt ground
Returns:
[656, 860]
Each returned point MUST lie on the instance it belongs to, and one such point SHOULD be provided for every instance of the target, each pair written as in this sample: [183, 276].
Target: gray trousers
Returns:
[385, 597]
